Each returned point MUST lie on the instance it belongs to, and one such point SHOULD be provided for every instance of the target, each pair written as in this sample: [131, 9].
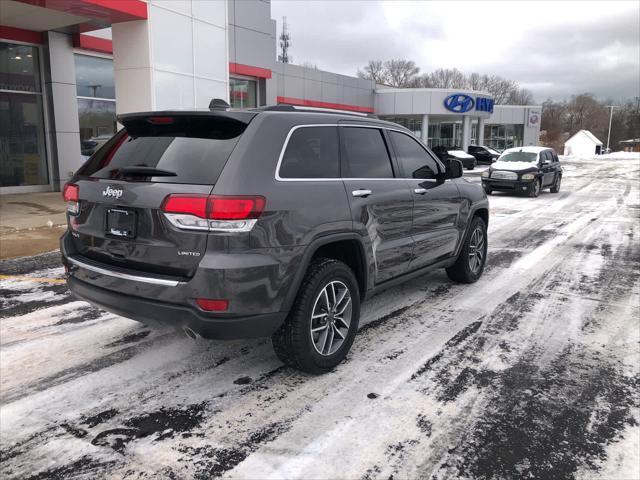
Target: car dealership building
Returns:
[68, 66]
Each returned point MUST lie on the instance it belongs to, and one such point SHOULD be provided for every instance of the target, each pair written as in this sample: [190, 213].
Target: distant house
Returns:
[583, 143]
[631, 145]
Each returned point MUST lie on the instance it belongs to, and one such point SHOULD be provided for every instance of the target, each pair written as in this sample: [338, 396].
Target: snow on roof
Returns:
[586, 133]
[529, 149]
[631, 140]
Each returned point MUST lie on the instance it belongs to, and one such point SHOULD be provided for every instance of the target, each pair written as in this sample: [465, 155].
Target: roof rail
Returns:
[281, 107]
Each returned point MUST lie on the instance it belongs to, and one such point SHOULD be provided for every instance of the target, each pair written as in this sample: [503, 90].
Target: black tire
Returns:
[293, 342]
[535, 189]
[462, 271]
[556, 185]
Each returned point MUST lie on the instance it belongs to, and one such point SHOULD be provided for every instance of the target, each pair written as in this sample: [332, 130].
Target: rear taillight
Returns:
[237, 213]
[71, 195]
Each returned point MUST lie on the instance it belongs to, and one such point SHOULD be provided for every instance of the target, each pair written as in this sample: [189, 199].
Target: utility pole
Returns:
[284, 43]
[610, 118]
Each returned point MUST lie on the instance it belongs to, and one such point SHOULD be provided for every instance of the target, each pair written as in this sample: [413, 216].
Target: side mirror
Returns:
[453, 168]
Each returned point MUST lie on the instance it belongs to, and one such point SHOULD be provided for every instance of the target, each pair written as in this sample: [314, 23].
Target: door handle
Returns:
[420, 191]
[361, 193]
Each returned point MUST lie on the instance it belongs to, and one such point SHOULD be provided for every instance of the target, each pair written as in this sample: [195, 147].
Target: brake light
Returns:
[211, 305]
[71, 192]
[187, 204]
[71, 195]
[231, 213]
[160, 120]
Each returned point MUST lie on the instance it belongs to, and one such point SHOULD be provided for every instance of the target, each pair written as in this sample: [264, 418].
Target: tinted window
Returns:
[475, 149]
[312, 152]
[413, 159]
[196, 150]
[366, 154]
[555, 157]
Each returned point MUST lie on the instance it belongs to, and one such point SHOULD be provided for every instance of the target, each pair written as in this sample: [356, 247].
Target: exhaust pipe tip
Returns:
[190, 333]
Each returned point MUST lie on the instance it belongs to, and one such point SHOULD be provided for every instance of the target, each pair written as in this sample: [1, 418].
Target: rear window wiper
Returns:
[146, 172]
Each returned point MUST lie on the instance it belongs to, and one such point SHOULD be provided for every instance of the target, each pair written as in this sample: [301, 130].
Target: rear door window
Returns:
[365, 153]
[312, 152]
[192, 151]
[414, 160]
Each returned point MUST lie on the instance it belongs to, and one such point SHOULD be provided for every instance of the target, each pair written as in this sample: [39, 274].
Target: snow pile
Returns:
[619, 156]
[608, 156]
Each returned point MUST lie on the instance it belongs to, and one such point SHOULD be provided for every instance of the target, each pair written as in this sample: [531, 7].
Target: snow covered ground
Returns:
[532, 372]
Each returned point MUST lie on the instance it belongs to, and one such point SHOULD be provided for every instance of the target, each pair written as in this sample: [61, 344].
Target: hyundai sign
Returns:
[462, 103]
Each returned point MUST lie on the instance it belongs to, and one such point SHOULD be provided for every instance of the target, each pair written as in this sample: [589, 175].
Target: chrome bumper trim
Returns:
[124, 276]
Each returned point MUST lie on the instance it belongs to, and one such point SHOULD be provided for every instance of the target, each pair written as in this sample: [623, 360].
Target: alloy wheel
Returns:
[476, 250]
[331, 318]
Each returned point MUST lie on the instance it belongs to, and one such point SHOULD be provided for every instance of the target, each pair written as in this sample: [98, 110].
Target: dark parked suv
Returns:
[524, 170]
[483, 154]
[267, 222]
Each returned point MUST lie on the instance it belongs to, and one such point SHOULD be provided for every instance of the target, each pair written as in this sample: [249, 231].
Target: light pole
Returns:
[610, 117]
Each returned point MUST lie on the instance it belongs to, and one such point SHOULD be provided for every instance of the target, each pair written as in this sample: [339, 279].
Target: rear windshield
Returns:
[189, 150]
[519, 157]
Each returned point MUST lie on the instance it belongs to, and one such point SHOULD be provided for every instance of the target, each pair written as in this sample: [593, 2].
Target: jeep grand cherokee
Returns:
[266, 222]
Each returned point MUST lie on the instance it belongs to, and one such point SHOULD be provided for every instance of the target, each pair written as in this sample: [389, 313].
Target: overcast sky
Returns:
[553, 48]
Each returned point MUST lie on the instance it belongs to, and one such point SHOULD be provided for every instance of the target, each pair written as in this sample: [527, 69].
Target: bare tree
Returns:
[520, 96]
[446, 78]
[374, 70]
[400, 72]
[404, 73]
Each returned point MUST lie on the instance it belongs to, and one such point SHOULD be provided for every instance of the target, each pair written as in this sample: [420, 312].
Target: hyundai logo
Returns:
[459, 103]
[112, 192]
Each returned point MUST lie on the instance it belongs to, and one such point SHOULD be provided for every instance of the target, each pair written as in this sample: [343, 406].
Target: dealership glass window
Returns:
[95, 87]
[23, 159]
[504, 136]
[95, 77]
[413, 123]
[243, 93]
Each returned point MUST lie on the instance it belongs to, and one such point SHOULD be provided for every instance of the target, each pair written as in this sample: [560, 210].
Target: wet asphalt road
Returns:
[532, 372]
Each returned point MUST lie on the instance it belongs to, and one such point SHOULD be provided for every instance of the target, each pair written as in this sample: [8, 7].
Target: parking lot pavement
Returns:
[532, 372]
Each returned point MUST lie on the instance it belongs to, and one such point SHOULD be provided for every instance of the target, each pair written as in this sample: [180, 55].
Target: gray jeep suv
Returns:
[267, 222]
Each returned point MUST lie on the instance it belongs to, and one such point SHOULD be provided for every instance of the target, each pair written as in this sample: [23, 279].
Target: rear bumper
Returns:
[156, 313]
[507, 185]
[255, 284]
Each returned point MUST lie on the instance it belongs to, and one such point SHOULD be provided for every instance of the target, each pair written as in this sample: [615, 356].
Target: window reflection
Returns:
[95, 86]
[242, 93]
[94, 77]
